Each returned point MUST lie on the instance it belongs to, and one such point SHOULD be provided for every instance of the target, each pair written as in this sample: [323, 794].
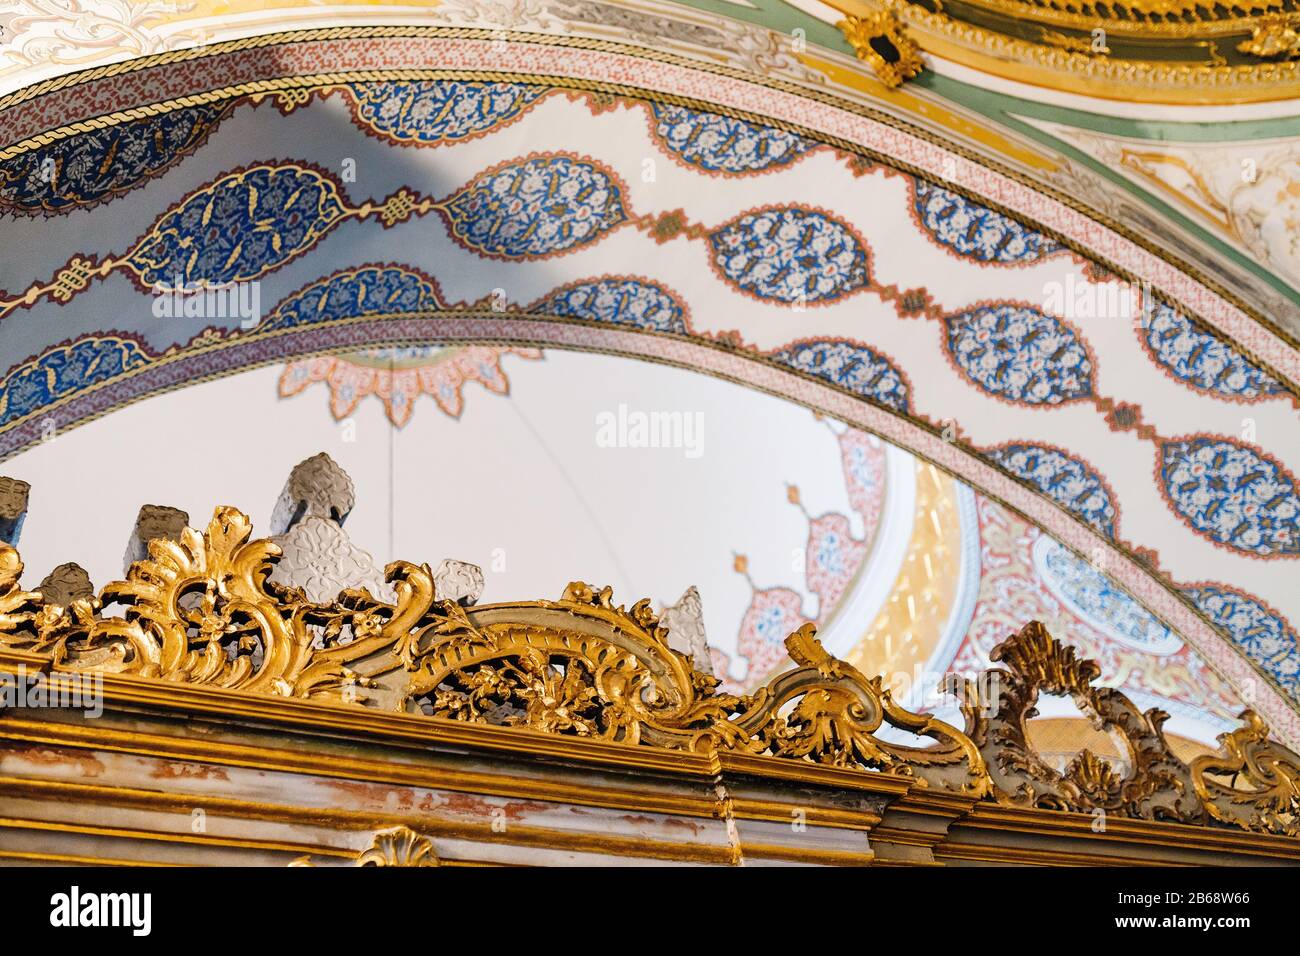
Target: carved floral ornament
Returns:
[203, 610]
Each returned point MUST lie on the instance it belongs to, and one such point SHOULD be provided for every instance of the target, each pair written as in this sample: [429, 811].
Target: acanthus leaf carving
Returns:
[1253, 782]
[204, 610]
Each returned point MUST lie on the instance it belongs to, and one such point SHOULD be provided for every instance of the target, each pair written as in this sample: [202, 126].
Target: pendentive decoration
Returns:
[878, 40]
[205, 609]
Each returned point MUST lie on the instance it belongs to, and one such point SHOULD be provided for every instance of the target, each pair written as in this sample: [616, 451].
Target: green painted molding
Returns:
[1002, 110]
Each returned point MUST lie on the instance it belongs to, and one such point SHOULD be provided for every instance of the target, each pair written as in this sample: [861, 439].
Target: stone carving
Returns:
[685, 623]
[317, 555]
[317, 487]
[67, 583]
[153, 522]
[458, 581]
[13, 508]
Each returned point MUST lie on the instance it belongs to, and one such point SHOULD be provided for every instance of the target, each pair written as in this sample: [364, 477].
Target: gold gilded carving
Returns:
[837, 712]
[198, 610]
[1253, 782]
[202, 610]
[1088, 47]
[878, 40]
[1273, 37]
[1153, 784]
[1159, 17]
[400, 846]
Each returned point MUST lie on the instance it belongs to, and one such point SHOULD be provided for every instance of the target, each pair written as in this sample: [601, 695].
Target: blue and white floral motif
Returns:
[1095, 598]
[239, 227]
[791, 255]
[536, 207]
[1020, 354]
[1202, 360]
[63, 370]
[646, 305]
[1067, 481]
[439, 111]
[371, 290]
[721, 144]
[1262, 634]
[1233, 495]
[99, 164]
[971, 230]
[850, 366]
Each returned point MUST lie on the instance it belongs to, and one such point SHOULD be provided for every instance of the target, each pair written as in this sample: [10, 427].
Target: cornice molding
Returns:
[203, 630]
[1205, 62]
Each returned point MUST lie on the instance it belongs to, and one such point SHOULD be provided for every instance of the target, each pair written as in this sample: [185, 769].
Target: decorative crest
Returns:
[1148, 782]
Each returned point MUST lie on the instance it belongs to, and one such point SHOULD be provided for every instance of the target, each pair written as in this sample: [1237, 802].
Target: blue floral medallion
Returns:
[1202, 360]
[1095, 598]
[65, 369]
[717, 143]
[1261, 633]
[973, 231]
[370, 290]
[1067, 481]
[97, 165]
[1020, 354]
[439, 111]
[636, 302]
[851, 366]
[239, 227]
[790, 255]
[1231, 494]
[536, 207]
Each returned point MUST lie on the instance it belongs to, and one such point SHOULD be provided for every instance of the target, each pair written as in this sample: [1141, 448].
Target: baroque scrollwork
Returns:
[200, 610]
[1150, 782]
[1253, 783]
[204, 609]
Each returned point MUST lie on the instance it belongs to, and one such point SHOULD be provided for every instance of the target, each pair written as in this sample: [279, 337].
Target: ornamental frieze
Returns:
[206, 609]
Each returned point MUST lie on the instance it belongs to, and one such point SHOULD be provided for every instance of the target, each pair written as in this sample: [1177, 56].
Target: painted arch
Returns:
[392, 188]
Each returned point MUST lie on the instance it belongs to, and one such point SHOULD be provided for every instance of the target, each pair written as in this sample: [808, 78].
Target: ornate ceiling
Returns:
[1094, 335]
